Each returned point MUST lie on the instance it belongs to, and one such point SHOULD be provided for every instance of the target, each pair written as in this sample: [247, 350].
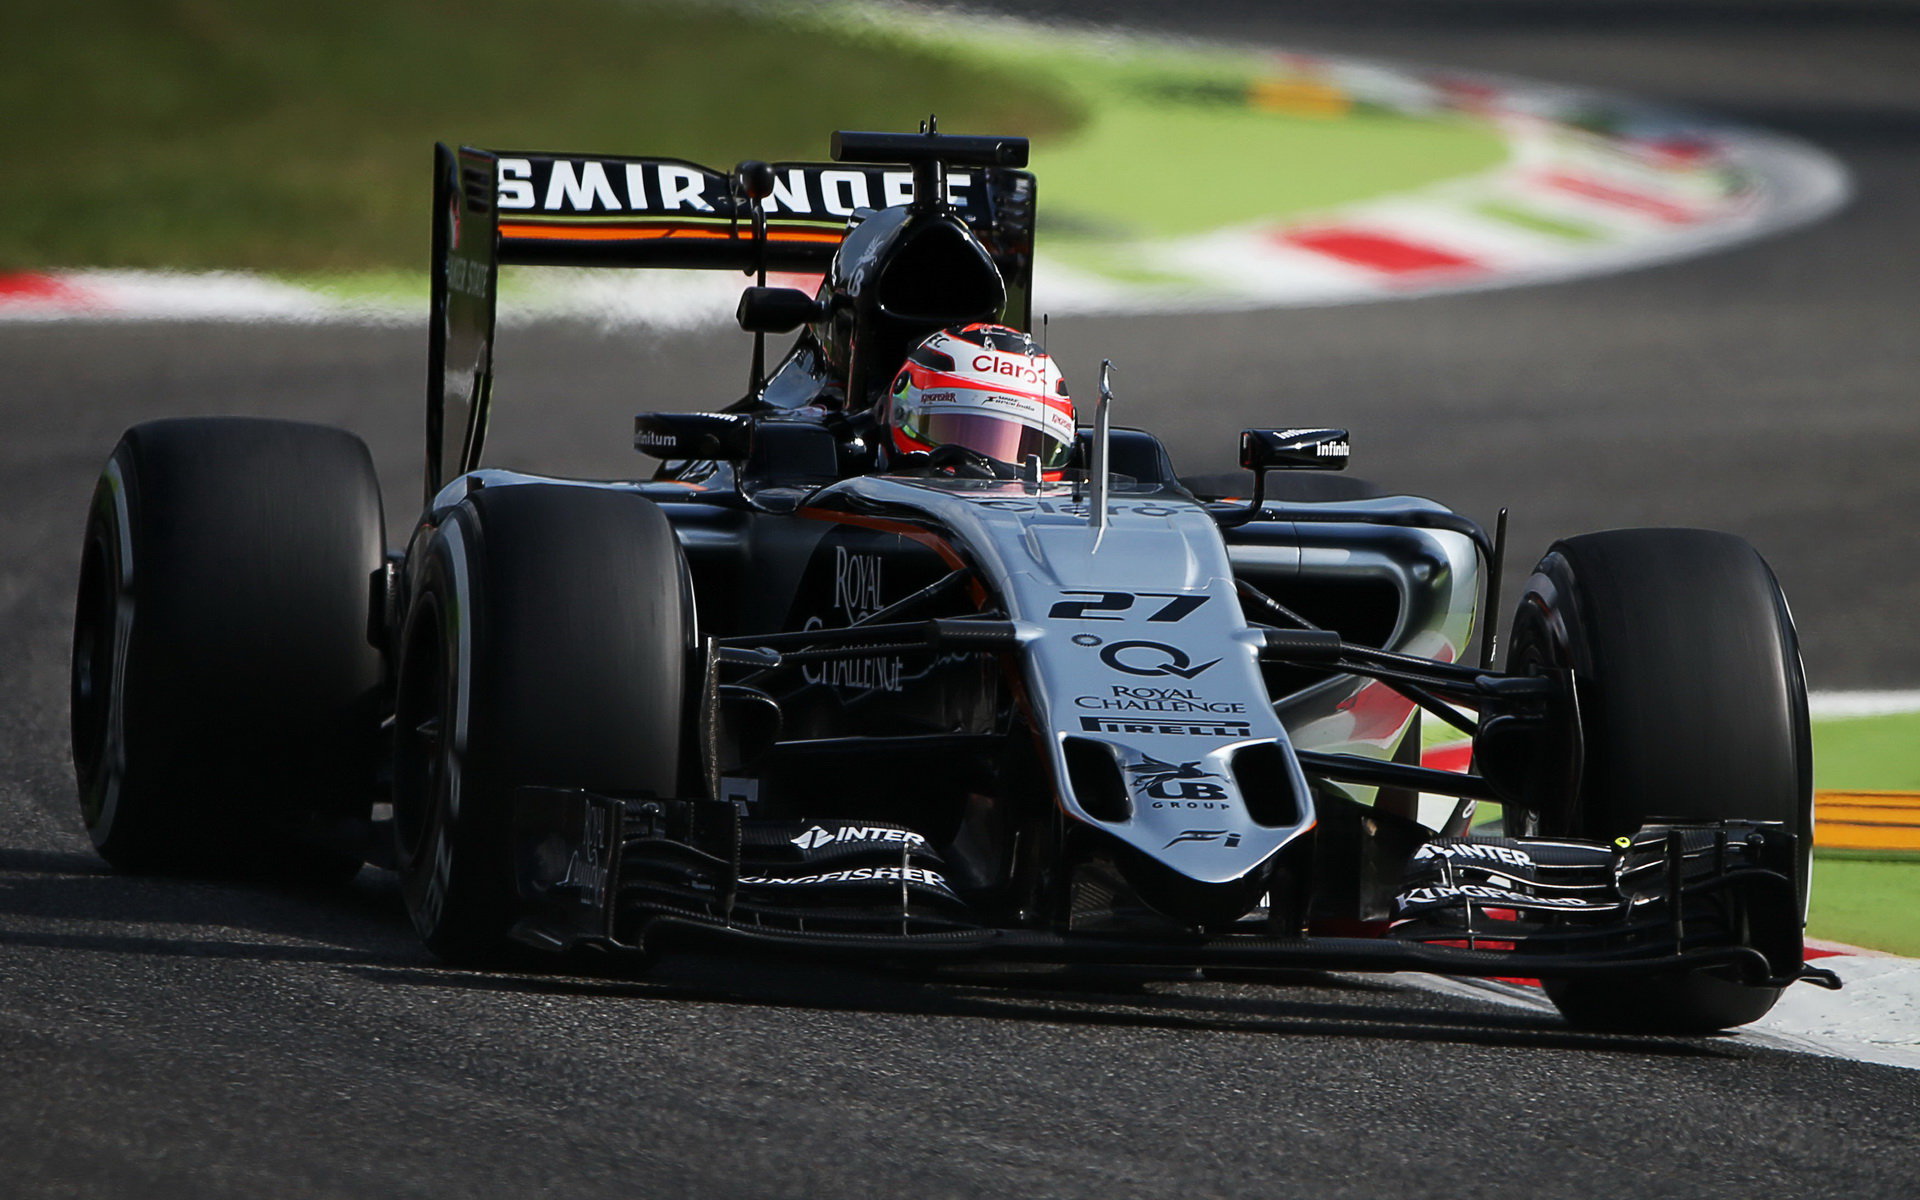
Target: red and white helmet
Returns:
[988, 388]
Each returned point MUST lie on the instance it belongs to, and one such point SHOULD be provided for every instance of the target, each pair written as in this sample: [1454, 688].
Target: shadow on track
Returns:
[45, 894]
[1172, 1001]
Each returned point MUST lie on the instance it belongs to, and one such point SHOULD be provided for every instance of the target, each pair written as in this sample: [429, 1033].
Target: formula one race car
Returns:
[898, 660]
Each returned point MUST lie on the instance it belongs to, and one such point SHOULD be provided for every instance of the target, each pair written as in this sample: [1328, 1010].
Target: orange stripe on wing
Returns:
[610, 233]
[820, 236]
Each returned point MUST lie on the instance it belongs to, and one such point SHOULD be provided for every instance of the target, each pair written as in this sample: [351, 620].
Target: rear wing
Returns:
[504, 208]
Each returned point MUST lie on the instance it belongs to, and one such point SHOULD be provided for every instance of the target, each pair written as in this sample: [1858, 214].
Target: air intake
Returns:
[1094, 776]
[1266, 786]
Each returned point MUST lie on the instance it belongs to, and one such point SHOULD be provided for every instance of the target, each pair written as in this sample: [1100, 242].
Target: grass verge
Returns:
[1864, 899]
[1182, 143]
[250, 134]
[1181, 139]
[1877, 753]
[1867, 903]
[268, 136]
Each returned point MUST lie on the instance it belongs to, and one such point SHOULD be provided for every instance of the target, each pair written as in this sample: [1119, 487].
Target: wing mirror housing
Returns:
[1294, 449]
[777, 310]
[699, 435]
[1263, 450]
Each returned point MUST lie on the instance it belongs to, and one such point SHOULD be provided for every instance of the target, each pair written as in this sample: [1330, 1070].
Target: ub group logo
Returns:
[1175, 781]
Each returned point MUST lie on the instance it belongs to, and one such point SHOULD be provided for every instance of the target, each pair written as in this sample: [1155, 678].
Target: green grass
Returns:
[1869, 753]
[1171, 145]
[1859, 897]
[1867, 903]
[255, 134]
[266, 135]
[1163, 169]
[1571, 231]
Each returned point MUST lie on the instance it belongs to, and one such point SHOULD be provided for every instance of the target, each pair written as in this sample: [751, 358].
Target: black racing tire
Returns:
[546, 644]
[225, 696]
[1693, 705]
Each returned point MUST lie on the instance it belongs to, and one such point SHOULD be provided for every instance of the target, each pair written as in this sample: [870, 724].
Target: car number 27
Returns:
[1108, 606]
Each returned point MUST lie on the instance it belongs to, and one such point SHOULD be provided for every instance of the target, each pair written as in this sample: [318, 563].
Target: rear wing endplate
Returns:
[494, 208]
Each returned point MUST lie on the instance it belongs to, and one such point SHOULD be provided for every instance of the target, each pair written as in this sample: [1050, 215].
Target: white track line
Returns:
[1833, 705]
[1875, 1018]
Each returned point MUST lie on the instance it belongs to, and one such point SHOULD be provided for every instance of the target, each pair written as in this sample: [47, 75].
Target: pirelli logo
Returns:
[1237, 729]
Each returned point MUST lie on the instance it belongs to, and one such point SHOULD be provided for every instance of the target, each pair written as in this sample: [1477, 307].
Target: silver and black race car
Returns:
[803, 692]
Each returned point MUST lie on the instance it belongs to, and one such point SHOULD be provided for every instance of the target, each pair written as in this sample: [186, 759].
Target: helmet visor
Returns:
[999, 438]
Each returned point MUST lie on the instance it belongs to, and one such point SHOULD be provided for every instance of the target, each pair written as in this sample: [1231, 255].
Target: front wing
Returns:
[636, 875]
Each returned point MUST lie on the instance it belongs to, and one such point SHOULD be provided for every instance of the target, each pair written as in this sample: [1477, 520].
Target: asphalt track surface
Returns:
[165, 1037]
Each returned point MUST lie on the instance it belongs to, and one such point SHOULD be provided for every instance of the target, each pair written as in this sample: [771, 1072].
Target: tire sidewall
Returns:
[103, 621]
[454, 900]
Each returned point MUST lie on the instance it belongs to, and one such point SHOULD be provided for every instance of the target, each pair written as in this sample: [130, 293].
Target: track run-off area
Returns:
[168, 1037]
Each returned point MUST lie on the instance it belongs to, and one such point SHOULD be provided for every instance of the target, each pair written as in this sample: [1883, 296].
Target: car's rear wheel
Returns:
[1693, 707]
[545, 645]
[224, 691]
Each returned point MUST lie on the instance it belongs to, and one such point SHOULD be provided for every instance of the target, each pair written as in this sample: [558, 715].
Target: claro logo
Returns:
[995, 364]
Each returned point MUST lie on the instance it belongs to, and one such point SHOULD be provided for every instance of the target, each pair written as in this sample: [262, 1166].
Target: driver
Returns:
[982, 399]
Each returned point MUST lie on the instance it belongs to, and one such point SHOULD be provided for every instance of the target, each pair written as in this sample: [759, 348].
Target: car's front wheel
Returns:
[545, 645]
[1693, 707]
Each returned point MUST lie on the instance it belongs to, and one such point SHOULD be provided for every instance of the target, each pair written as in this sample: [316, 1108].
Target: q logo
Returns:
[1151, 659]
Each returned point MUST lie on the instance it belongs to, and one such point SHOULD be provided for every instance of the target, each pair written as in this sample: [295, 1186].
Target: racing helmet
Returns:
[986, 388]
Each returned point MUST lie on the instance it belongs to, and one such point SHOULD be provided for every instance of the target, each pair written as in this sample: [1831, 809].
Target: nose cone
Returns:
[1175, 894]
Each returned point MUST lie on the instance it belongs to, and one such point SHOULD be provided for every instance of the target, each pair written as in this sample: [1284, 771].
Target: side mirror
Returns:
[718, 436]
[1263, 450]
[777, 310]
[1294, 449]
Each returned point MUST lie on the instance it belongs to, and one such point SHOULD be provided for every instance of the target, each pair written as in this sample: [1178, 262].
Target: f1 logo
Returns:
[1225, 837]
